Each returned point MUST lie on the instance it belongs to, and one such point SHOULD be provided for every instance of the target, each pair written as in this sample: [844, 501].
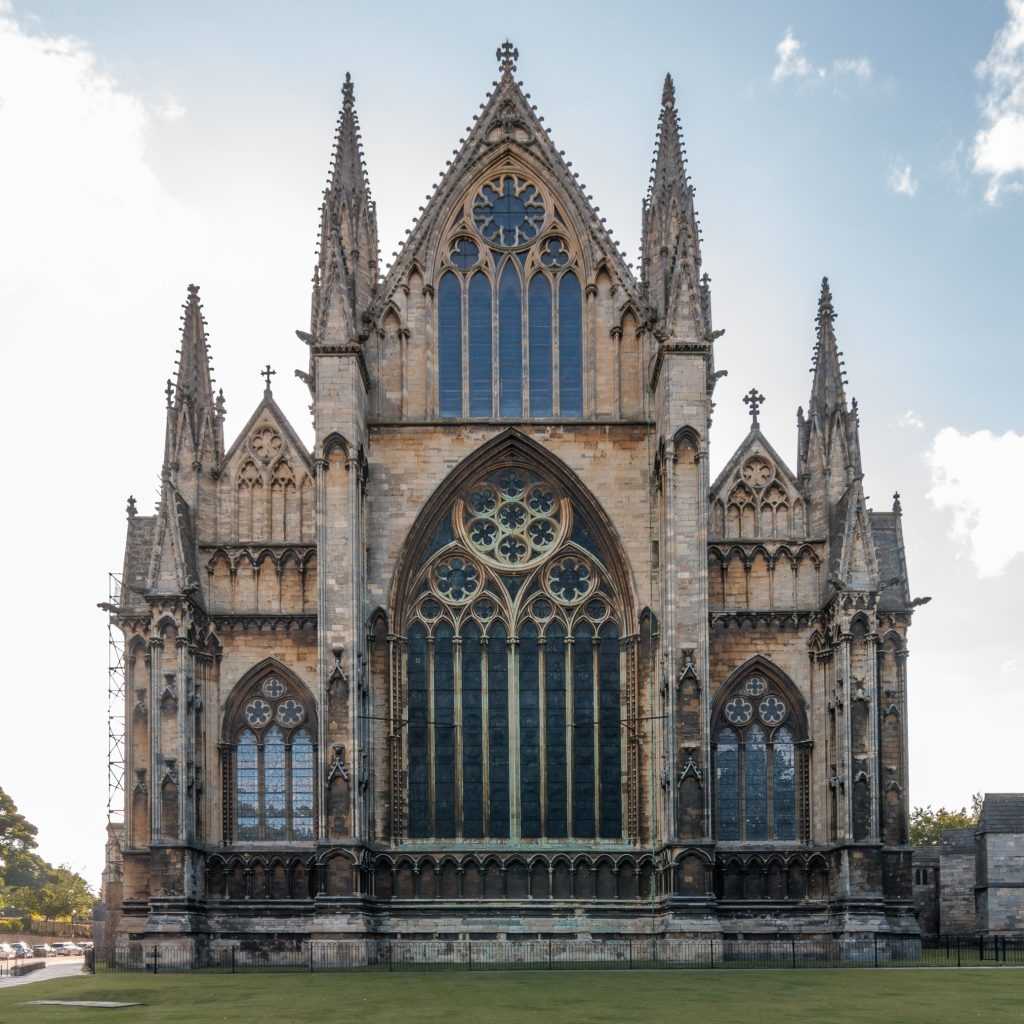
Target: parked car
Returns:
[66, 949]
[86, 946]
[6, 951]
[22, 949]
[43, 949]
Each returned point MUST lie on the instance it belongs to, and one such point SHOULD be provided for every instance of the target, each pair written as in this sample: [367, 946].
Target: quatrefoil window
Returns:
[755, 686]
[508, 212]
[273, 688]
[465, 253]
[570, 579]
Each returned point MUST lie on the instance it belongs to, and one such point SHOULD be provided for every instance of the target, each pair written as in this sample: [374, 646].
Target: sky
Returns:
[147, 146]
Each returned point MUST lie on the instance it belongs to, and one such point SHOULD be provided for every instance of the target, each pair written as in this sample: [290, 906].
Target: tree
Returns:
[66, 895]
[927, 824]
[17, 833]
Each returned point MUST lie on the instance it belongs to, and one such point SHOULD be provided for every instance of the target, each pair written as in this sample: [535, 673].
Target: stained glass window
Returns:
[510, 343]
[727, 784]
[449, 346]
[755, 776]
[480, 398]
[540, 345]
[570, 346]
[499, 597]
[274, 768]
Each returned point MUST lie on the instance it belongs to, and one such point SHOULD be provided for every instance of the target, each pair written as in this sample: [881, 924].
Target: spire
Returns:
[827, 389]
[347, 267]
[670, 250]
[194, 430]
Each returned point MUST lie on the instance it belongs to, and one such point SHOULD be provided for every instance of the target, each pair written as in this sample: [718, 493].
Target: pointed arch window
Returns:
[269, 762]
[761, 763]
[509, 310]
[512, 669]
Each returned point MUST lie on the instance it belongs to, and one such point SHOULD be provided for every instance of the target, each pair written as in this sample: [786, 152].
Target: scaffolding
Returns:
[115, 704]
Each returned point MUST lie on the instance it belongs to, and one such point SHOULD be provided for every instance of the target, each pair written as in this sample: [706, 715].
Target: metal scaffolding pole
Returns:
[115, 705]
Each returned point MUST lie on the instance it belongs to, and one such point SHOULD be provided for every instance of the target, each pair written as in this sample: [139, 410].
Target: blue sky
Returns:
[147, 146]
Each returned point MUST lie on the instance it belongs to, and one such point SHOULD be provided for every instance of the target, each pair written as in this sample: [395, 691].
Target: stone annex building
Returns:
[498, 657]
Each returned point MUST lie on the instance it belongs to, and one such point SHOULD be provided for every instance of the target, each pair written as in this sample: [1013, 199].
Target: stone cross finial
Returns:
[169, 392]
[506, 55]
[131, 508]
[896, 506]
[266, 373]
[753, 400]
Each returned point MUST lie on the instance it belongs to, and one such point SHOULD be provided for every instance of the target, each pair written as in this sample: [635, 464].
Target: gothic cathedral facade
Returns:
[497, 656]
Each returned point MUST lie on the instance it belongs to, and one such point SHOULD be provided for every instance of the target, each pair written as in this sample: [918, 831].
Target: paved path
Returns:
[56, 967]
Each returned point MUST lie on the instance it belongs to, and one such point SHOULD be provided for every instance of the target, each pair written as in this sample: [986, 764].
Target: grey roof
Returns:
[137, 552]
[1002, 812]
[891, 560]
[957, 840]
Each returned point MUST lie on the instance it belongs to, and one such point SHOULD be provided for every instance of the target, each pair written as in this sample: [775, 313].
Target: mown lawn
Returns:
[584, 997]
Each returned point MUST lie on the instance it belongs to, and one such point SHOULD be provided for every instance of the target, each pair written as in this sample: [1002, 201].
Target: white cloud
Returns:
[910, 420]
[902, 180]
[998, 151]
[1009, 667]
[170, 110]
[791, 63]
[975, 476]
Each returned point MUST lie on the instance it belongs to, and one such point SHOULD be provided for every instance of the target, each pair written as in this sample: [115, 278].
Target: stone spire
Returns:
[194, 427]
[828, 387]
[345, 277]
[670, 250]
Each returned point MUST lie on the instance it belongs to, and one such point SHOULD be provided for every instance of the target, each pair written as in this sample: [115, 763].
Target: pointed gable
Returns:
[756, 495]
[507, 137]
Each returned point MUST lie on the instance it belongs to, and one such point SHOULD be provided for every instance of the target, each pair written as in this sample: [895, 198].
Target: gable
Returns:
[757, 495]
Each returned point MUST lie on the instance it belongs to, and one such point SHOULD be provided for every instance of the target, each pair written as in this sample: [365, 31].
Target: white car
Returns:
[22, 949]
[66, 949]
[6, 951]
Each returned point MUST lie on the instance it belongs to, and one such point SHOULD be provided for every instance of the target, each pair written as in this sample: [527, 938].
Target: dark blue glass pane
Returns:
[419, 808]
[510, 342]
[449, 346]
[554, 705]
[610, 736]
[529, 732]
[583, 732]
[472, 736]
[783, 785]
[727, 784]
[465, 253]
[444, 732]
[570, 346]
[497, 730]
[275, 790]
[302, 785]
[755, 785]
[247, 787]
[479, 346]
[540, 345]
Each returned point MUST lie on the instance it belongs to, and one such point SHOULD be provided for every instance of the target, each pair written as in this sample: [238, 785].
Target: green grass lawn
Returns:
[701, 997]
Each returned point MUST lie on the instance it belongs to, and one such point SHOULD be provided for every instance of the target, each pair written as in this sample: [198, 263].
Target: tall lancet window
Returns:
[761, 762]
[509, 308]
[269, 761]
[513, 682]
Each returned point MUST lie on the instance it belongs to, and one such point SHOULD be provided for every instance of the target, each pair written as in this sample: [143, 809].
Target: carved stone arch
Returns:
[686, 437]
[335, 442]
[760, 665]
[248, 685]
[512, 448]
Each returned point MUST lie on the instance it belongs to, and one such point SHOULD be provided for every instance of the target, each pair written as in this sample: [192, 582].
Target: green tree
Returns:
[67, 894]
[17, 833]
[927, 824]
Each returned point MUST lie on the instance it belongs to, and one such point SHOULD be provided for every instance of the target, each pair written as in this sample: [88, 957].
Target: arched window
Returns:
[760, 762]
[270, 761]
[509, 302]
[513, 622]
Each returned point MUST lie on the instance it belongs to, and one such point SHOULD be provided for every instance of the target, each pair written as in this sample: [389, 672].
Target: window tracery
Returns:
[512, 669]
[510, 308]
[760, 764]
[269, 763]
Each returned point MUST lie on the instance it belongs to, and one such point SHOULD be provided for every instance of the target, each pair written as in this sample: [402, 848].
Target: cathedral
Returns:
[498, 658]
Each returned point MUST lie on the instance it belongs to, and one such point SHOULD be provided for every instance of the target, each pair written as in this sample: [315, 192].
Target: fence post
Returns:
[311, 958]
[876, 948]
[631, 954]
[981, 948]
[470, 945]
[390, 968]
[958, 951]
[232, 959]
[549, 954]
[792, 951]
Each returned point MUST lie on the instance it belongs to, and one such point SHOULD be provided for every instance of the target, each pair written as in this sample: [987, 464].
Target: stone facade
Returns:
[973, 882]
[677, 704]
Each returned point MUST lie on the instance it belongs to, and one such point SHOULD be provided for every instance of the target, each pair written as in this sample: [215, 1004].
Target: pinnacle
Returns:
[668, 92]
[826, 311]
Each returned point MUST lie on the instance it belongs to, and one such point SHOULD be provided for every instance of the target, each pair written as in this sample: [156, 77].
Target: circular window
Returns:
[508, 212]
[464, 253]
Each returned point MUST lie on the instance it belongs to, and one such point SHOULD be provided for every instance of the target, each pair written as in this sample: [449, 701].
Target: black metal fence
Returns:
[570, 954]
